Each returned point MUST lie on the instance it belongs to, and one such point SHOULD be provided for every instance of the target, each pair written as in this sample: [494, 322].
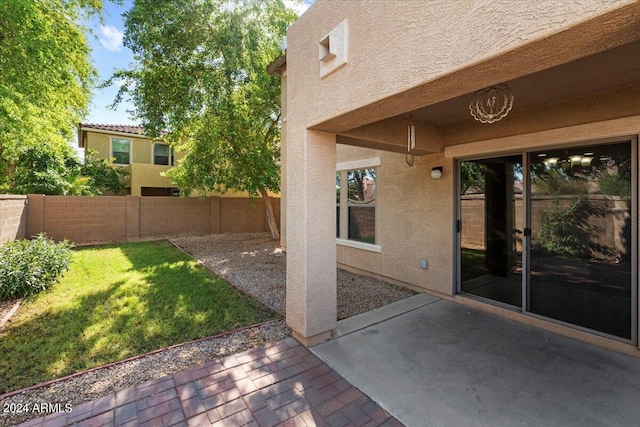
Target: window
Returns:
[360, 201]
[121, 151]
[338, 205]
[161, 154]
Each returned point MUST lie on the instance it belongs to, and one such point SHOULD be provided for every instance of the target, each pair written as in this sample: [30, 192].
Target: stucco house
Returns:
[501, 139]
[144, 158]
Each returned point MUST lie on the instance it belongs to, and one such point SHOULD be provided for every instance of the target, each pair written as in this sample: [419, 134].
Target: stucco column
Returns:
[310, 230]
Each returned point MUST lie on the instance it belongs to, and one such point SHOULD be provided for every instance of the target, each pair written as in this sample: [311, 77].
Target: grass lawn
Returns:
[118, 301]
[472, 263]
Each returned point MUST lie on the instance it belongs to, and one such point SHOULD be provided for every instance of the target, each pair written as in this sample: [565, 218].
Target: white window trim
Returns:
[359, 245]
[373, 162]
[153, 154]
[358, 164]
[111, 156]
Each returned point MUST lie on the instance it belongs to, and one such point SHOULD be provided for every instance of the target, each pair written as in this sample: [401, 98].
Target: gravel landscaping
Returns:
[255, 264]
[251, 262]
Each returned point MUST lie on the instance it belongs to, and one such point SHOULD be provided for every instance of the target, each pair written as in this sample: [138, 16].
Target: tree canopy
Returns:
[45, 77]
[41, 170]
[200, 79]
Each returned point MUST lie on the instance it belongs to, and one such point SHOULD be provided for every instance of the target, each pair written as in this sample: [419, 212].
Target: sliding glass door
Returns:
[570, 215]
[581, 245]
[491, 228]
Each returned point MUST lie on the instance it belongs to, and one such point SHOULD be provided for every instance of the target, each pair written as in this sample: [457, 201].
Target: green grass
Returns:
[118, 301]
[472, 263]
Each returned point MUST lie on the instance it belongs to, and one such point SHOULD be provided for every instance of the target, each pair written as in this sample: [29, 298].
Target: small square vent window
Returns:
[333, 49]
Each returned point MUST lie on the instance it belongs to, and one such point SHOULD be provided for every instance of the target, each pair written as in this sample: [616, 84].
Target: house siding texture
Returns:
[387, 75]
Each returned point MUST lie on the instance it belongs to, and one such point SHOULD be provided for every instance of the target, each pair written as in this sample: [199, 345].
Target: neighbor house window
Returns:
[121, 151]
[163, 155]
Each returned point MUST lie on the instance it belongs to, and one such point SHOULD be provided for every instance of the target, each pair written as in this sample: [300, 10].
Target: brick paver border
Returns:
[279, 384]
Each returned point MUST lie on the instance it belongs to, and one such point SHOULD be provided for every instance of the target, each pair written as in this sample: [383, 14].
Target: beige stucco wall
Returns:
[148, 175]
[438, 37]
[141, 148]
[414, 221]
[395, 47]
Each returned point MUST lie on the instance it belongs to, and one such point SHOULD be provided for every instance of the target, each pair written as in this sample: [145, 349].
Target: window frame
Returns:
[111, 152]
[343, 221]
[170, 157]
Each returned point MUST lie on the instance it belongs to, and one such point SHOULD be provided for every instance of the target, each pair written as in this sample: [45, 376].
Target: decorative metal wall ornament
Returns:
[491, 104]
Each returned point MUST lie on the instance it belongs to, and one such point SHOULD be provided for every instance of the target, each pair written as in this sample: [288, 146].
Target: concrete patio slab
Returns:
[445, 364]
[355, 323]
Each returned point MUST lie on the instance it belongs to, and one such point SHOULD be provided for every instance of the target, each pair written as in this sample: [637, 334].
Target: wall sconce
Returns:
[436, 173]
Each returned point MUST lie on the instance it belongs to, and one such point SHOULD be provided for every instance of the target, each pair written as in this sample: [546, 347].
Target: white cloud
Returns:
[111, 38]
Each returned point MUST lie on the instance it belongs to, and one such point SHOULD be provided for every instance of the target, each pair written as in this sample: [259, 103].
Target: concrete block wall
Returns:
[84, 219]
[362, 222]
[103, 219]
[609, 227]
[13, 217]
[167, 216]
[238, 215]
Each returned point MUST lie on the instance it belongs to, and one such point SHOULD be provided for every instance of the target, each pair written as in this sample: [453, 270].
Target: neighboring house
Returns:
[144, 158]
[532, 217]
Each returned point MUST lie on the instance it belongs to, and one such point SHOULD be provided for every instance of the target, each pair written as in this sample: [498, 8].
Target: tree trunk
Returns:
[11, 170]
[271, 219]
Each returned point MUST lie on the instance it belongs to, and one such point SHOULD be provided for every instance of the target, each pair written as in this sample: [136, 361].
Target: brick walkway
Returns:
[280, 384]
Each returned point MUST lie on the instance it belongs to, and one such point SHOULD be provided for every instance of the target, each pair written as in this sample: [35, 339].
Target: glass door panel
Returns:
[580, 250]
[491, 229]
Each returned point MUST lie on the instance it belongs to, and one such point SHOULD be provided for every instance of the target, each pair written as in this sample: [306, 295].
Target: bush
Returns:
[31, 266]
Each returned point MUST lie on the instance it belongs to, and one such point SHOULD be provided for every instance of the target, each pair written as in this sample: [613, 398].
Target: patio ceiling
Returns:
[596, 56]
[607, 70]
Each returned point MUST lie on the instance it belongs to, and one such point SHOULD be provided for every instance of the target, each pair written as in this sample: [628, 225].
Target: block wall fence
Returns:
[104, 219]
[608, 230]
[13, 217]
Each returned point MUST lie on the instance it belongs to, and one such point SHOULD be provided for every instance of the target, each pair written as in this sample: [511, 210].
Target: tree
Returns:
[42, 170]
[45, 77]
[200, 79]
[101, 175]
[472, 177]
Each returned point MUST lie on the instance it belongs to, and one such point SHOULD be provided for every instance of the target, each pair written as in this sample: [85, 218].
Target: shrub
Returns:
[571, 232]
[31, 266]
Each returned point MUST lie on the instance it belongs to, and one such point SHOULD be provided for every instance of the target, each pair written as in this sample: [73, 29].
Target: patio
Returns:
[422, 361]
[433, 362]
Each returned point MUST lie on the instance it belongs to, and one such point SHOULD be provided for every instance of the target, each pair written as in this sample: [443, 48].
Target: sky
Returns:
[109, 54]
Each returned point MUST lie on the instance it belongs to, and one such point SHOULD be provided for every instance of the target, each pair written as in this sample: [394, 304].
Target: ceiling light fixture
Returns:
[491, 104]
[411, 142]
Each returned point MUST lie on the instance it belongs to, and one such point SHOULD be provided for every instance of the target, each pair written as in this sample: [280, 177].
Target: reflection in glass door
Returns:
[581, 245]
[491, 229]
[571, 220]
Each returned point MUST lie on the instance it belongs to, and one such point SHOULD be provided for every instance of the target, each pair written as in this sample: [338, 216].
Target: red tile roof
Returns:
[132, 129]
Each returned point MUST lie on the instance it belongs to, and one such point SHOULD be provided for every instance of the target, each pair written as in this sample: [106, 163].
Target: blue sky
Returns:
[108, 54]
